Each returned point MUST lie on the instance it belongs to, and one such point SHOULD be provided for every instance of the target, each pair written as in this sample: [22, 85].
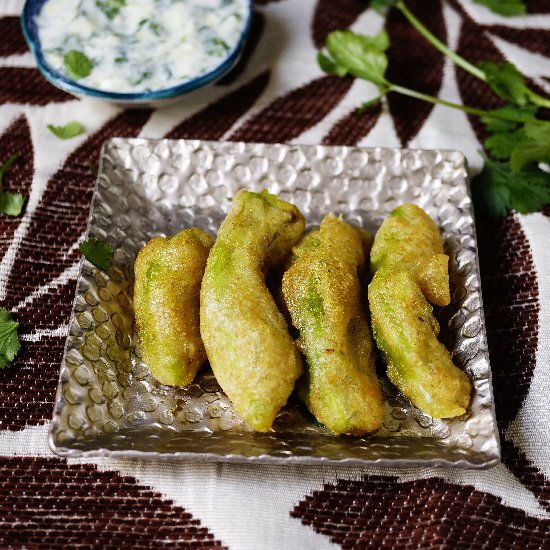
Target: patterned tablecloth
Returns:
[276, 94]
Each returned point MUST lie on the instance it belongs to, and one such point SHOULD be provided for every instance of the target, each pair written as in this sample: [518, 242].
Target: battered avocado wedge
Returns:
[323, 295]
[409, 269]
[168, 273]
[410, 240]
[247, 341]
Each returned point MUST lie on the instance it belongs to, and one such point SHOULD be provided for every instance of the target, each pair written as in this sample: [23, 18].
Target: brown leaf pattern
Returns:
[295, 112]
[62, 214]
[214, 120]
[332, 16]
[16, 140]
[23, 86]
[381, 512]
[352, 127]
[413, 63]
[58, 505]
[535, 40]
[27, 389]
[12, 42]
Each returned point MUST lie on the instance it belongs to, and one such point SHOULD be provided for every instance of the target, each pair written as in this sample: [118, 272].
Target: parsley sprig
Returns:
[9, 341]
[519, 143]
[10, 203]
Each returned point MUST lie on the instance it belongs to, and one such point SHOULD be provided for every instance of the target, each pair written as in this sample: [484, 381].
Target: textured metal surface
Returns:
[108, 404]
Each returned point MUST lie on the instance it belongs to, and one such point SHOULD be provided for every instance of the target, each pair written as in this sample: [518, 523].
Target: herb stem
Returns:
[535, 98]
[538, 99]
[458, 106]
[459, 60]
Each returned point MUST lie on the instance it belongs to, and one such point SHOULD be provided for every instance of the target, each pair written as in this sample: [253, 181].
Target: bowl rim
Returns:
[32, 8]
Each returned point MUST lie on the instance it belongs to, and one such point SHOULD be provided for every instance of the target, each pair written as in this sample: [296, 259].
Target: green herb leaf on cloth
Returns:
[506, 81]
[359, 55]
[9, 340]
[10, 203]
[70, 130]
[98, 253]
[534, 149]
[497, 189]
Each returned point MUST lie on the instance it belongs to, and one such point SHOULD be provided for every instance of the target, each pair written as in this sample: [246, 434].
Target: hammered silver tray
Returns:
[108, 404]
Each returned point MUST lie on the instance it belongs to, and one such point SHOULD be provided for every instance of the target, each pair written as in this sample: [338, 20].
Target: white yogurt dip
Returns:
[140, 45]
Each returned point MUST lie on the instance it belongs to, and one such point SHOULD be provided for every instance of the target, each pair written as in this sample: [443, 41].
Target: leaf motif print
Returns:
[414, 63]
[16, 139]
[48, 247]
[216, 119]
[24, 86]
[510, 299]
[534, 40]
[71, 507]
[27, 388]
[381, 512]
[292, 114]
[332, 16]
[12, 42]
[354, 126]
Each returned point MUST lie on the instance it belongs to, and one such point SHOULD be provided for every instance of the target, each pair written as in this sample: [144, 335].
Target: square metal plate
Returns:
[107, 402]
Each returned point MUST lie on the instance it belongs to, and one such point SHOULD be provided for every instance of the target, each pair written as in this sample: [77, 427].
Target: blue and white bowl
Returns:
[152, 98]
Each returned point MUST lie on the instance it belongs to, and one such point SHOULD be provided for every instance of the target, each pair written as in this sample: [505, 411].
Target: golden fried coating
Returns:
[322, 292]
[246, 337]
[168, 273]
[406, 331]
[409, 267]
[409, 239]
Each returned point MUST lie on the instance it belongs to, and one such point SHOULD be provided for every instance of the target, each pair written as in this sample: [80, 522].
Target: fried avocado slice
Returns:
[410, 240]
[168, 273]
[322, 292]
[247, 341]
[406, 332]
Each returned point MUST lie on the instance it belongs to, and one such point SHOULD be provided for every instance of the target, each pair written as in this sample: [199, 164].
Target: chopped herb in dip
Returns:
[138, 45]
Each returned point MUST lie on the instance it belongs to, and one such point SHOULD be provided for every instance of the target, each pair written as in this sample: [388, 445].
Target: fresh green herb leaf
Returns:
[11, 203]
[9, 341]
[110, 7]
[381, 6]
[70, 130]
[97, 252]
[501, 145]
[362, 56]
[329, 67]
[497, 189]
[534, 149]
[77, 65]
[506, 81]
[519, 114]
[120, 60]
[504, 7]
[93, 169]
